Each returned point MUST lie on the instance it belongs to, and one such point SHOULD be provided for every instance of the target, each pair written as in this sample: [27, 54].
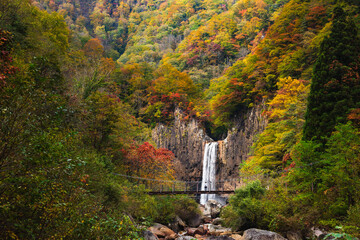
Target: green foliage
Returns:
[339, 235]
[334, 90]
[322, 188]
[245, 209]
[70, 115]
[166, 208]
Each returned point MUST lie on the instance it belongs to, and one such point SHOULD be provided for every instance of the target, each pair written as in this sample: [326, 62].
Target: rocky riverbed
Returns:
[206, 226]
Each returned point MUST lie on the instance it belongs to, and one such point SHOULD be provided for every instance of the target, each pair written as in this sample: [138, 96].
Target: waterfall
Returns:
[209, 171]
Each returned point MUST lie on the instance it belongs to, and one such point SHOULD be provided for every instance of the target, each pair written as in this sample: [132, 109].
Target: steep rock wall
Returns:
[186, 139]
[236, 148]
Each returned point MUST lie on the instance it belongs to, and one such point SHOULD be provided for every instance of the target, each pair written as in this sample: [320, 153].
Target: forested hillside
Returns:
[82, 82]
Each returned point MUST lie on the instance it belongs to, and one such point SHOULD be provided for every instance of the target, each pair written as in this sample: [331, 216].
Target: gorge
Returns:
[187, 140]
[104, 101]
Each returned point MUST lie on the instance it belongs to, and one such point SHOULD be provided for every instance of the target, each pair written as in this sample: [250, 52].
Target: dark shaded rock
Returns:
[195, 221]
[294, 236]
[177, 225]
[217, 221]
[200, 230]
[196, 231]
[258, 234]
[220, 238]
[150, 236]
[322, 236]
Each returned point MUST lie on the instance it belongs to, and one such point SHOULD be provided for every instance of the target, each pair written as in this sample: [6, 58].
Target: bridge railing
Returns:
[155, 186]
[190, 186]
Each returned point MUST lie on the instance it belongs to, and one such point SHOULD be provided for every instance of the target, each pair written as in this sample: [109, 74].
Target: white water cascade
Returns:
[209, 172]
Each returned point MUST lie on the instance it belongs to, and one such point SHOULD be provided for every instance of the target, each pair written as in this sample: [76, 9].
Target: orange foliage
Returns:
[354, 116]
[148, 162]
[93, 48]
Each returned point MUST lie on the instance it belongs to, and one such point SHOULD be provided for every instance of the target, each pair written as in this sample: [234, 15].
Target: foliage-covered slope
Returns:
[81, 81]
[64, 133]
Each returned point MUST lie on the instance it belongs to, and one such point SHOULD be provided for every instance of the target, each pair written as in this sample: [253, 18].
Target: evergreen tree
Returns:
[335, 87]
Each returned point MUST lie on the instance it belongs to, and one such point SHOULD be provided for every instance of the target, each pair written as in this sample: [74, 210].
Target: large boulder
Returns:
[162, 231]
[212, 209]
[195, 221]
[258, 234]
[177, 224]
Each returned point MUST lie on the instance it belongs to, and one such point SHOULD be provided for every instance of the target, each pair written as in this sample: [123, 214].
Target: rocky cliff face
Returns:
[186, 139]
[235, 149]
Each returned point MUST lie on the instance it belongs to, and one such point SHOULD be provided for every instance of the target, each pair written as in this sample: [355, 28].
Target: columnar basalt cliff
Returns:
[186, 139]
[236, 147]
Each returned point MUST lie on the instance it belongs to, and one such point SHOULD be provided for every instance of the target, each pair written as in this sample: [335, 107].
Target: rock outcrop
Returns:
[258, 234]
[235, 148]
[212, 209]
[186, 139]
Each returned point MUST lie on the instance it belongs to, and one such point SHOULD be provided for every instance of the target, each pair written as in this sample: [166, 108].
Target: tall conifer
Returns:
[335, 87]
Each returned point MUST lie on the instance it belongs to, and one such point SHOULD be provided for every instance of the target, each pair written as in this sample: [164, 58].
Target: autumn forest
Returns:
[84, 82]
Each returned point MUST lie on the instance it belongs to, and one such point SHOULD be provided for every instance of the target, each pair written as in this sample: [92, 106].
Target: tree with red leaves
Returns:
[6, 67]
[149, 162]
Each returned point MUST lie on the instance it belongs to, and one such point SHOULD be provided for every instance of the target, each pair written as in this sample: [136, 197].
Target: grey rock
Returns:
[217, 229]
[186, 238]
[177, 224]
[212, 209]
[195, 221]
[236, 147]
[150, 236]
[258, 234]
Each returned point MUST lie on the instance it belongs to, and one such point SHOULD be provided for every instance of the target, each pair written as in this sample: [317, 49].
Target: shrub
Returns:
[245, 209]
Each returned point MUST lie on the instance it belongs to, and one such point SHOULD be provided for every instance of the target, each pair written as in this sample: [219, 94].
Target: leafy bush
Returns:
[168, 207]
[245, 209]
